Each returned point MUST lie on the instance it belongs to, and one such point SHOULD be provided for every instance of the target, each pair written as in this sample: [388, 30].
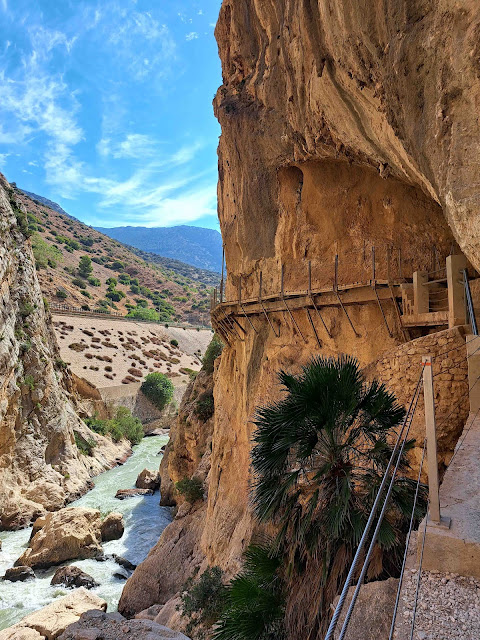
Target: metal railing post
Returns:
[430, 432]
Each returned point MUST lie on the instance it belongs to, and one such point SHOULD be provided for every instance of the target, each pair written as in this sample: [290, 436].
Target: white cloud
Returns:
[193, 35]
[33, 163]
[200, 12]
[3, 157]
[135, 145]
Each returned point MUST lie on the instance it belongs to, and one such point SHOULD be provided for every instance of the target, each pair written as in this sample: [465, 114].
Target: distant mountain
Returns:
[194, 245]
[48, 203]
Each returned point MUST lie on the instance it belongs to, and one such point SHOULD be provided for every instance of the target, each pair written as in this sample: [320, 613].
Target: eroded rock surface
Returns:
[95, 625]
[148, 480]
[52, 620]
[73, 577]
[41, 468]
[69, 534]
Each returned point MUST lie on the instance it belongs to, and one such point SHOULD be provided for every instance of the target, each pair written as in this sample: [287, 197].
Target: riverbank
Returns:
[144, 522]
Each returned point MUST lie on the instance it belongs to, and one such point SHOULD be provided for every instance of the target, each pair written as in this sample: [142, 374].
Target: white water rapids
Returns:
[144, 521]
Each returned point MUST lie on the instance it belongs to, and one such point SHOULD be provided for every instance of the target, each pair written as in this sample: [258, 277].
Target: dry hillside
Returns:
[59, 243]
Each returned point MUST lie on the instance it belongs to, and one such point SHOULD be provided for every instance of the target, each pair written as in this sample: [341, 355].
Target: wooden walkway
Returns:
[233, 319]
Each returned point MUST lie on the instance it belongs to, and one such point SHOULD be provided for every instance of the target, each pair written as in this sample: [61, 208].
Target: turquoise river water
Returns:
[144, 521]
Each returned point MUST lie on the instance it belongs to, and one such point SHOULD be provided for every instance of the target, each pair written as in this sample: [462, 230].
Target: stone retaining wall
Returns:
[400, 369]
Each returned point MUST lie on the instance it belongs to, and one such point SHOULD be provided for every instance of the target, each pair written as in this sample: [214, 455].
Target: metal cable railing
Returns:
[469, 301]
[363, 540]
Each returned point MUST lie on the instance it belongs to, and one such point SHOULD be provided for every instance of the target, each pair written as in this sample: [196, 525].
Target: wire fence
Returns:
[67, 309]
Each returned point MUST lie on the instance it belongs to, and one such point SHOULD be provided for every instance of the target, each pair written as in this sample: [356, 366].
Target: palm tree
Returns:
[318, 459]
[255, 601]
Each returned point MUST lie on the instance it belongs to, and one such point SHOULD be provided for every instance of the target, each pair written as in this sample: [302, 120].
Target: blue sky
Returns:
[106, 107]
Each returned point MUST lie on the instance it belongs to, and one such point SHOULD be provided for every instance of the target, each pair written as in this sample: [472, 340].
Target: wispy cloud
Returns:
[134, 145]
[193, 35]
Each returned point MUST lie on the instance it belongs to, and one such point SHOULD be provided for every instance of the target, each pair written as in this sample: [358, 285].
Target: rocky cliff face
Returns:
[348, 129]
[41, 467]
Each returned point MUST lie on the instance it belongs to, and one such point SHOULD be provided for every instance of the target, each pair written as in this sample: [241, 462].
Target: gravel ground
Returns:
[448, 606]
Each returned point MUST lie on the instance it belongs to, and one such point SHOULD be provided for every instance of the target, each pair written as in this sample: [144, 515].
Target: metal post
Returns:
[221, 281]
[430, 432]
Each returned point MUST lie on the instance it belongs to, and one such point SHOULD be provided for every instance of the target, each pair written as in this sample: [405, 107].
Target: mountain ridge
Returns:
[198, 246]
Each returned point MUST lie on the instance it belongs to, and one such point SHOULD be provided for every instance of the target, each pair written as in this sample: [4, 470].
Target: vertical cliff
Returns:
[349, 129]
[41, 467]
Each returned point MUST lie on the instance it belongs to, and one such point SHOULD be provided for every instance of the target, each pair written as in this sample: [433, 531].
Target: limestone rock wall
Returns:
[40, 465]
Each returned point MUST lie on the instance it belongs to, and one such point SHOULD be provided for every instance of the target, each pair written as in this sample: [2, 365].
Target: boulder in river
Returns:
[148, 480]
[123, 562]
[19, 574]
[132, 493]
[52, 620]
[112, 626]
[67, 534]
[112, 527]
[73, 577]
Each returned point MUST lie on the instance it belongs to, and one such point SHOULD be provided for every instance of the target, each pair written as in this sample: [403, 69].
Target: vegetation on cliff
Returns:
[158, 388]
[318, 459]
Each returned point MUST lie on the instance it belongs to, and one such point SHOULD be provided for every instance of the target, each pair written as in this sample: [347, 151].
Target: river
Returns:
[144, 521]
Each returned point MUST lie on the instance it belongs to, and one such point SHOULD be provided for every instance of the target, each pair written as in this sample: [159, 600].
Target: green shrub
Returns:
[214, 349]
[123, 425]
[25, 309]
[144, 314]
[205, 406]
[115, 295]
[254, 600]
[29, 380]
[61, 294]
[84, 446]
[78, 282]
[85, 268]
[124, 278]
[158, 389]
[111, 283]
[174, 343]
[95, 282]
[203, 601]
[45, 254]
[190, 488]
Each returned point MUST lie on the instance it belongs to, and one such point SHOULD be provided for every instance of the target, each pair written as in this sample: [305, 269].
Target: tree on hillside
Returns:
[85, 267]
[158, 389]
[318, 459]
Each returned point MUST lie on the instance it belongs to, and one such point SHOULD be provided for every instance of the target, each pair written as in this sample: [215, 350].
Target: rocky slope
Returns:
[59, 241]
[41, 467]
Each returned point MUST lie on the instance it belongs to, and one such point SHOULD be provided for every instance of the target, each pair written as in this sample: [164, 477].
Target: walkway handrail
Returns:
[468, 298]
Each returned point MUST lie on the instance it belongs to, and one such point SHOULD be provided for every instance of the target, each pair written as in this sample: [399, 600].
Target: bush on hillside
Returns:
[61, 294]
[158, 389]
[85, 268]
[144, 314]
[44, 253]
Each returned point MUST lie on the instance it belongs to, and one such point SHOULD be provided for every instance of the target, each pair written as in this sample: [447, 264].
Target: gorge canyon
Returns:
[348, 154]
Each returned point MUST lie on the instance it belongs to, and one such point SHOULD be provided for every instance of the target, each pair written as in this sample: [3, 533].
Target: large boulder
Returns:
[73, 577]
[68, 534]
[148, 480]
[372, 615]
[95, 625]
[52, 620]
[132, 493]
[19, 574]
[112, 527]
